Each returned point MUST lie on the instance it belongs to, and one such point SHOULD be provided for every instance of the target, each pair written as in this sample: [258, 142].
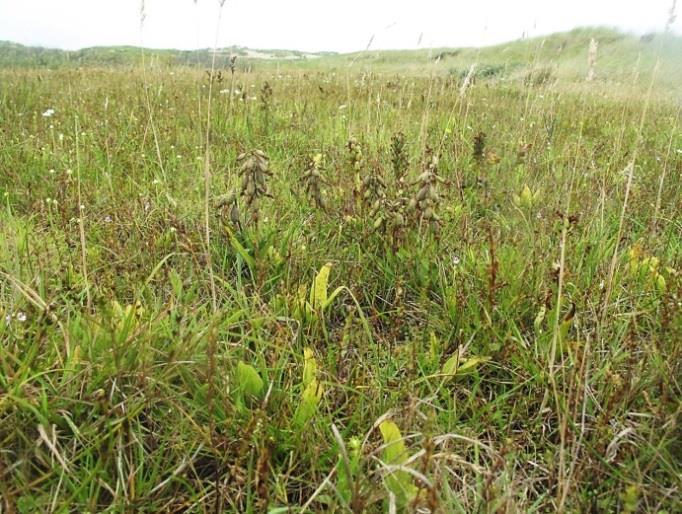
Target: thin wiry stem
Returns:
[207, 170]
[81, 223]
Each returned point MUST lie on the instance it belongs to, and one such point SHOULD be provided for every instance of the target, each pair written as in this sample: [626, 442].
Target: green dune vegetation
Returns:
[437, 280]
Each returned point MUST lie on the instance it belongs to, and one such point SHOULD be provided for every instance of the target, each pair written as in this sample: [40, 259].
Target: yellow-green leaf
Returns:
[454, 365]
[318, 291]
[395, 454]
[332, 297]
[250, 382]
[395, 451]
[451, 365]
[471, 363]
[310, 400]
[537, 324]
[309, 366]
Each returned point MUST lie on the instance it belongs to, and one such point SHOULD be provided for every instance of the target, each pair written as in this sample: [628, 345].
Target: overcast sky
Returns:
[310, 25]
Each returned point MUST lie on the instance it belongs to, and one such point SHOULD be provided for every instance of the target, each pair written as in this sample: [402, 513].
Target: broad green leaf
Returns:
[344, 483]
[318, 291]
[332, 297]
[471, 363]
[660, 283]
[242, 252]
[395, 454]
[434, 348]
[309, 366]
[537, 324]
[454, 365]
[451, 365]
[310, 399]
[395, 451]
[250, 382]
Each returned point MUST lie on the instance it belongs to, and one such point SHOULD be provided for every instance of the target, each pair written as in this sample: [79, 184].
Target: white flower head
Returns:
[48, 113]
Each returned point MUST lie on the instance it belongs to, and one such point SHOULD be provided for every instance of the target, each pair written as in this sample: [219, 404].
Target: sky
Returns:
[315, 25]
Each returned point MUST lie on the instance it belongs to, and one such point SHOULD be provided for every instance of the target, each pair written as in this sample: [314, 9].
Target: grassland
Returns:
[508, 341]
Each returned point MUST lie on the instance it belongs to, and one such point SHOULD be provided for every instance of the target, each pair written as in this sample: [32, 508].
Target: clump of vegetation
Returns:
[427, 349]
[541, 76]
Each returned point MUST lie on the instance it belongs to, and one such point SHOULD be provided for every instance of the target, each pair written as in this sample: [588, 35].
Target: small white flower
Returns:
[21, 316]
[61, 137]
[107, 219]
[456, 260]
[51, 171]
[48, 113]
[69, 171]
[156, 182]
[82, 207]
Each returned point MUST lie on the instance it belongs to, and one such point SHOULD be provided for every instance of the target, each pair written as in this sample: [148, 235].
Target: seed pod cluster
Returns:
[229, 201]
[373, 186]
[399, 160]
[265, 95]
[356, 163]
[523, 150]
[254, 170]
[313, 180]
[390, 215]
[427, 199]
[479, 147]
